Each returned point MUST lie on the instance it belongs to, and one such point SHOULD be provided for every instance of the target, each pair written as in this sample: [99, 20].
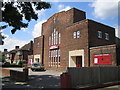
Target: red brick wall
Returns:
[94, 27]
[38, 50]
[63, 20]
[103, 50]
[67, 23]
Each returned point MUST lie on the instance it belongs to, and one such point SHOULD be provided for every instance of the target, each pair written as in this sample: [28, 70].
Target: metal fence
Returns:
[83, 76]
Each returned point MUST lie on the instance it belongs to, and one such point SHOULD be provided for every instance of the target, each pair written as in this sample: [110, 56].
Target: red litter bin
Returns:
[65, 80]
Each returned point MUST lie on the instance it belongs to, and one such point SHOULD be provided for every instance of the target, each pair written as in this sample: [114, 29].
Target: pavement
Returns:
[115, 87]
[37, 80]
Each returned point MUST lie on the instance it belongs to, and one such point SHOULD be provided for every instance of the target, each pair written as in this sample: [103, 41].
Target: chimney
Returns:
[16, 47]
[5, 50]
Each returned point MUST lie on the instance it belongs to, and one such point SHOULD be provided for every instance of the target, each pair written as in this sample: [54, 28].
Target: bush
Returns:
[7, 64]
[20, 63]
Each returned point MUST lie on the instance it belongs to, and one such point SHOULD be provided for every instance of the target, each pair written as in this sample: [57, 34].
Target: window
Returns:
[52, 38]
[59, 37]
[106, 36]
[54, 58]
[78, 34]
[74, 35]
[56, 37]
[49, 41]
[38, 44]
[54, 20]
[99, 34]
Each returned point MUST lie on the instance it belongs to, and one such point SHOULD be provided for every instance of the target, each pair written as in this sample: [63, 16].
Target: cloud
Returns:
[11, 42]
[61, 7]
[105, 9]
[37, 29]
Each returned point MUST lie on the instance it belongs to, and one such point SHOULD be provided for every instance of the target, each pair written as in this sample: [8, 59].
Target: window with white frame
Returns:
[74, 35]
[49, 40]
[106, 36]
[38, 44]
[54, 20]
[59, 38]
[56, 37]
[78, 34]
[52, 39]
[99, 34]
[54, 58]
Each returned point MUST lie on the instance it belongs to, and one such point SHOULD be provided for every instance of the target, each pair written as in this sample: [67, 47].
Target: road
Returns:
[38, 79]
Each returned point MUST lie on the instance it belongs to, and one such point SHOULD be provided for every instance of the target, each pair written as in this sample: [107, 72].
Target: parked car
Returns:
[37, 66]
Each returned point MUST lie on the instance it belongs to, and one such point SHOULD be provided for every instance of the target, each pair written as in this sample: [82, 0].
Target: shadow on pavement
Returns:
[34, 82]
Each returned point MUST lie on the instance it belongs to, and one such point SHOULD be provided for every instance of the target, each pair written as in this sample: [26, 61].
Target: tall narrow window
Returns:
[59, 38]
[106, 36]
[54, 20]
[78, 34]
[52, 39]
[74, 35]
[99, 34]
[54, 36]
[38, 44]
[49, 41]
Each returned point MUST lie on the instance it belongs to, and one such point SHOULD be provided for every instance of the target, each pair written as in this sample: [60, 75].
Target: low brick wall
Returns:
[17, 75]
[5, 72]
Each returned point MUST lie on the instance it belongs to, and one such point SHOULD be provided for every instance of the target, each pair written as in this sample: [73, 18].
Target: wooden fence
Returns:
[86, 76]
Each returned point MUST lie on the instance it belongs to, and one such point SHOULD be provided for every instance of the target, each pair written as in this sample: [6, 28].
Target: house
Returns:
[38, 49]
[22, 53]
[4, 55]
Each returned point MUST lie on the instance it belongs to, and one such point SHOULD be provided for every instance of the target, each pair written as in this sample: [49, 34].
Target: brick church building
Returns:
[70, 40]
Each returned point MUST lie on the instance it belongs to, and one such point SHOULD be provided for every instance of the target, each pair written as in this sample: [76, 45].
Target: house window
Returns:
[106, 36]
[78, 34]
[74, 35]
[99, 34]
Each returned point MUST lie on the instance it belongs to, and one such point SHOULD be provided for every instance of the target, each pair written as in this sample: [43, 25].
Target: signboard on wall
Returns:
[102, 59]
[54, 47]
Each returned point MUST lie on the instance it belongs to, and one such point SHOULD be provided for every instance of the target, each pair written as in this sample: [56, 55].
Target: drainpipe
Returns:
[43, 50]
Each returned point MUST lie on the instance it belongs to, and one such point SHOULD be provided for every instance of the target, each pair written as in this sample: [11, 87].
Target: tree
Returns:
[1, 38]
[13, 13]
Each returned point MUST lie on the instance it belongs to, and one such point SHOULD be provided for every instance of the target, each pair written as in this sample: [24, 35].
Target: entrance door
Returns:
[79, 61]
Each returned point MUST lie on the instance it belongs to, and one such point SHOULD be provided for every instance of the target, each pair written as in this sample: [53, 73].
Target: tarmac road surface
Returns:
[37, 80]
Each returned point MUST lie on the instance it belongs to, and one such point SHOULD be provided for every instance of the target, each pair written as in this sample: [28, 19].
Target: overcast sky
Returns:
[100, 11]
